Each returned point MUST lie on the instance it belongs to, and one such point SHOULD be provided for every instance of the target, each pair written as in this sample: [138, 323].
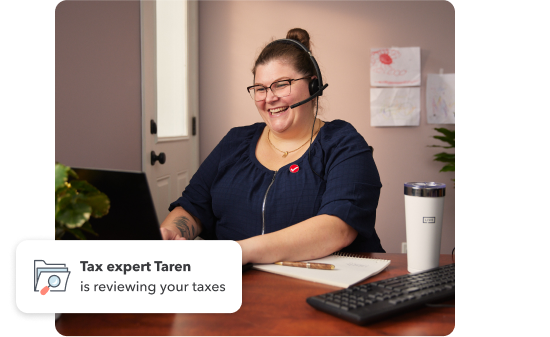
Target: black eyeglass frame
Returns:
[289, 83]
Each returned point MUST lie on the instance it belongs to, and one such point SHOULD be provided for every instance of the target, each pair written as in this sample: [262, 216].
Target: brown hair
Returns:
[290, 53]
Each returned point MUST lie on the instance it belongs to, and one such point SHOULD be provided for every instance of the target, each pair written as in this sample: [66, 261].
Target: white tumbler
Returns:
[423, 219]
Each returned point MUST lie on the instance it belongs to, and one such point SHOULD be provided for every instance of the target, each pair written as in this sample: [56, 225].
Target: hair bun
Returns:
[300, 35]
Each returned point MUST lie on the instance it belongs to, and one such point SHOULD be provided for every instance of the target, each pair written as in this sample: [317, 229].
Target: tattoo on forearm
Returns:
[182, 223]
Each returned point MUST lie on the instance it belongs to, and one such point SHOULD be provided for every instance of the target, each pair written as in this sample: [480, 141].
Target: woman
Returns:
[281, 190]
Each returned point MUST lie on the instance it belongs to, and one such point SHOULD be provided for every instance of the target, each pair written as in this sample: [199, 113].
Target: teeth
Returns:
[278, 110]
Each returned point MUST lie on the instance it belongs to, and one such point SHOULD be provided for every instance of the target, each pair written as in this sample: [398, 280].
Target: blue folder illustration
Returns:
[53, 275]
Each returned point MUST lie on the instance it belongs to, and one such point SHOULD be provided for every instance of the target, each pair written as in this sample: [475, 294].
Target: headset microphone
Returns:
[318, 93]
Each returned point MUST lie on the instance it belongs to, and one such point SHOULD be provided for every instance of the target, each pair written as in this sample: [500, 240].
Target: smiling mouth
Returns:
[277, 111]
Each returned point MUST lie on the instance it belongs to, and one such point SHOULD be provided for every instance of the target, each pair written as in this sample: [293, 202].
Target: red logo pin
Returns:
[294, 168]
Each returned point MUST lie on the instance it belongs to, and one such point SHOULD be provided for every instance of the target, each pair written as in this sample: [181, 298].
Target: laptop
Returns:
[132, 215]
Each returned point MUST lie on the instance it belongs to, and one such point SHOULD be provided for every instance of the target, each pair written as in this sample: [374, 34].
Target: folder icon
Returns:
[43, 273]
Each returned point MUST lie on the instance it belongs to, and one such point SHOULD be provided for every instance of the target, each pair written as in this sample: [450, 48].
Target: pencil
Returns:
[308, 265]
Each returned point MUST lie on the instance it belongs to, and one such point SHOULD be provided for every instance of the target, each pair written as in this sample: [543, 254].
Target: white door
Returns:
[169, 98]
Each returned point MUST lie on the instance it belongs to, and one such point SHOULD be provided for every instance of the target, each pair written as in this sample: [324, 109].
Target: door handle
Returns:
[161, 158]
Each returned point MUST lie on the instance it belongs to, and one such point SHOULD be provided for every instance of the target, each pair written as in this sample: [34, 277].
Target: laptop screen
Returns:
[132, 215]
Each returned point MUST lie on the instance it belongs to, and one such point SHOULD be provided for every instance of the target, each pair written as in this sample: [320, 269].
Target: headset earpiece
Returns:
[313, 86]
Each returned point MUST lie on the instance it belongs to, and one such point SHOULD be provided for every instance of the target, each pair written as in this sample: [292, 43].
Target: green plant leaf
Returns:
[448, 136]
[63, 198]
[59, 231]
[74, 214]
[445, 147]
[60, 191]
[77, 233]
[75, 201]
[99, 202]
[451, 141]
[61, 175]
[88, 228]
[72, 173]
[448, 168]
[448, 133]
[445, 157]
[83, 187]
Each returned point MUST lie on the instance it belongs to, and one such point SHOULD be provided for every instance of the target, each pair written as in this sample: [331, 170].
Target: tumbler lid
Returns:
[425, 189]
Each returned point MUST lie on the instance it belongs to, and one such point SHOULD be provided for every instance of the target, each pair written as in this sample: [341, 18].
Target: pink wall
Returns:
[232, 34]
[98, 84]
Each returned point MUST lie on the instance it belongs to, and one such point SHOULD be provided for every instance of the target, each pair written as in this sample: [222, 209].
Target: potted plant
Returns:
[447, 136]
[75, 202]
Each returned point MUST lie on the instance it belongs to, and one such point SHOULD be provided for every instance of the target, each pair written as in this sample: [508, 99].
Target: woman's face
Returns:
[276, 111]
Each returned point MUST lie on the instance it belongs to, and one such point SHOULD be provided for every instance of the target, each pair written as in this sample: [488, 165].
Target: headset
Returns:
[316, 89]
[316, 86]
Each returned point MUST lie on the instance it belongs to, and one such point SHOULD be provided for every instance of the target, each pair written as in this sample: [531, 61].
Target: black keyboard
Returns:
[371, 302]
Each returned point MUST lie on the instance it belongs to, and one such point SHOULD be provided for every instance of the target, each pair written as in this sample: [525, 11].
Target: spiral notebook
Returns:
[349, 269]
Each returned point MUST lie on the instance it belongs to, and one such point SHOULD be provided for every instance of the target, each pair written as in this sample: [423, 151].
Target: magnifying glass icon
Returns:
[53, 281]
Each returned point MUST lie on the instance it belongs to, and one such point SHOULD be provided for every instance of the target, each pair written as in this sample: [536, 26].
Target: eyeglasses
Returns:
[279, 89]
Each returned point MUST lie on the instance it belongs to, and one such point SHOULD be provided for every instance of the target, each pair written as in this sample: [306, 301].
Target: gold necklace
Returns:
[285, 153]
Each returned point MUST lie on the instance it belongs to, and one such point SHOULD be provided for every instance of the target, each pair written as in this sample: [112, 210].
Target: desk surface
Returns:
[272, 305]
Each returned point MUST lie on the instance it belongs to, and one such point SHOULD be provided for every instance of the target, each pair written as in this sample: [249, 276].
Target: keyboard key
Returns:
[410, 290]
[333, 304]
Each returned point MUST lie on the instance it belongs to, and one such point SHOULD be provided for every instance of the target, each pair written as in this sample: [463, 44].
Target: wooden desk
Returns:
[272, 305]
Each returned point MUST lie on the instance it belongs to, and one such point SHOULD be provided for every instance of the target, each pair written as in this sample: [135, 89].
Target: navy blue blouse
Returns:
[227, 192]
